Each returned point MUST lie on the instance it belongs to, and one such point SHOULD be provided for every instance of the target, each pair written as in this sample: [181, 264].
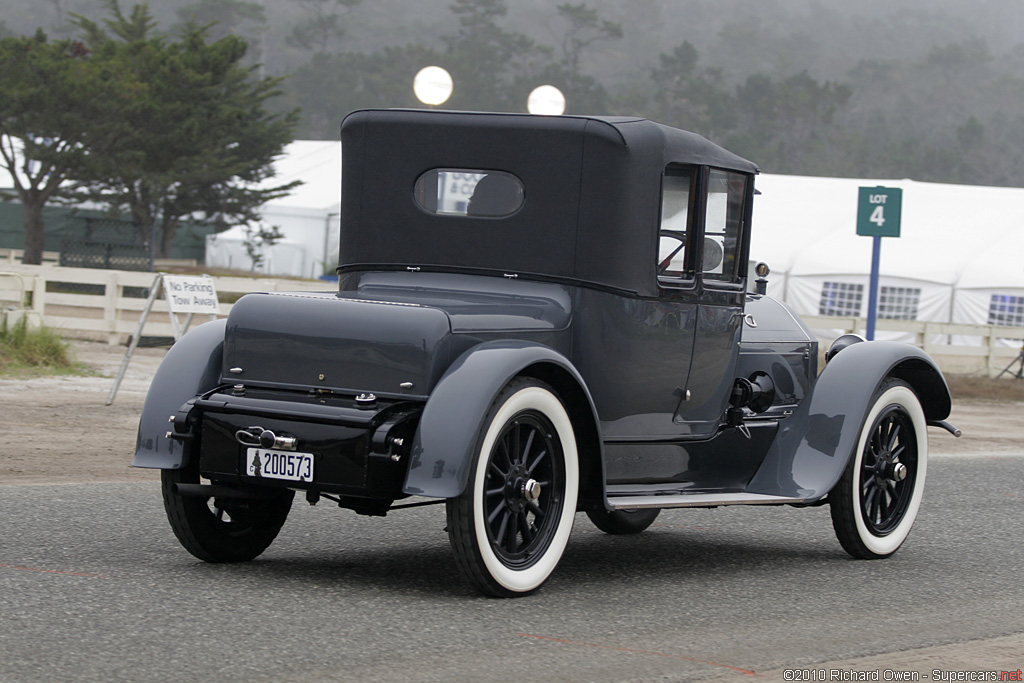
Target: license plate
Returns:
[259, 462]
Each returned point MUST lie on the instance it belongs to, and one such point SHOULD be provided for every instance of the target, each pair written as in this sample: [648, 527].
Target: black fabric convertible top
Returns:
[592, 192]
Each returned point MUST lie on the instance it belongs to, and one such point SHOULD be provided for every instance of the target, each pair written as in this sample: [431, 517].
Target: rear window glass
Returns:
[469, 192]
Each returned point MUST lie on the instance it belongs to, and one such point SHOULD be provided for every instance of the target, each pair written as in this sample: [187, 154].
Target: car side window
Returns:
[676, 214]
[723, 224]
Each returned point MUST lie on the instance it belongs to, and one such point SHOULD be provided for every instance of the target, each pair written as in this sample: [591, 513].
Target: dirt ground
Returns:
[58, 430]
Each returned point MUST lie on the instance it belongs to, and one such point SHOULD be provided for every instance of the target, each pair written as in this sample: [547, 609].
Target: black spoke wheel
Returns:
[510, 526]
[875, 503]
[525, 461]
[221, 530]
[623, 522]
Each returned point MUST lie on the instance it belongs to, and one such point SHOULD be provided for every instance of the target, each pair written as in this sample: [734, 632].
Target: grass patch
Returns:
[1006, 388]
[39, 351]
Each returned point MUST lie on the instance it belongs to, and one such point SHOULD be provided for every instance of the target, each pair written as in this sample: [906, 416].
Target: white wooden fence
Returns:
[993, 349]
[100, 311]
[88, 303]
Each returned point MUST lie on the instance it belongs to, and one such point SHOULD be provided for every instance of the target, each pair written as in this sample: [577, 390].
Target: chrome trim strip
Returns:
[684, 500]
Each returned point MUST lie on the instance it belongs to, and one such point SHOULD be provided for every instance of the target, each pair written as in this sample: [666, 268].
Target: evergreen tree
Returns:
[197, 140]
[57, 105]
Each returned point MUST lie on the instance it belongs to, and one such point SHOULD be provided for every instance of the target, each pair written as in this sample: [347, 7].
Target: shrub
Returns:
[21, 347]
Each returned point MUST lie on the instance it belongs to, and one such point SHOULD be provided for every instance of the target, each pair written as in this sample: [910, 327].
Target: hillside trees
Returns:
[577, 29]
[494, 68]
[488, 62]
[690, 96]
[787, 125]
[585, 27]
[224, 17]
[920, 90]
[322, 27]
[331, 85]
[195, 141]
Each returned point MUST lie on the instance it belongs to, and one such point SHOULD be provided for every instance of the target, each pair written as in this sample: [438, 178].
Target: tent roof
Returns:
[963, 235]
[237, 233]
[317, 163]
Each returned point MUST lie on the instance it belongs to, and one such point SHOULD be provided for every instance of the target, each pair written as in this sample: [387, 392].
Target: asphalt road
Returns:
[94, 587]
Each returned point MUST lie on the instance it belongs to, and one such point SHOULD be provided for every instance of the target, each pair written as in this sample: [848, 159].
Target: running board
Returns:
[697, 500]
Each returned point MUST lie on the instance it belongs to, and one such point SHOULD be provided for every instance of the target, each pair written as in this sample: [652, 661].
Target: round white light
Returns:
[432, 85]
[546, 99]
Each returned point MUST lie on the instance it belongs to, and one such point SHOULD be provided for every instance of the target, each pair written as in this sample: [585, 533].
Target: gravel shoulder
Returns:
[58, 430]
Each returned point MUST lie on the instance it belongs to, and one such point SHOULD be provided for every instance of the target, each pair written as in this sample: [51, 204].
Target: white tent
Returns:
[959, 256]
[229, 249]
[307, 217]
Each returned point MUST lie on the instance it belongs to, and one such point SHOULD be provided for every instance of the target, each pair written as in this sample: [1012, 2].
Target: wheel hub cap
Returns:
[888, 468]
[520, 488]
[530, 490]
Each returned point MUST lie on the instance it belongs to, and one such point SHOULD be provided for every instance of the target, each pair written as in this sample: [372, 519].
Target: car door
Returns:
[674, 376]
[722, 270]
[639, 374]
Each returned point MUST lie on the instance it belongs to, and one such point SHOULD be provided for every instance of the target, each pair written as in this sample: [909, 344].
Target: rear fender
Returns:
[191, 367]
[814, 444]
[452, 423]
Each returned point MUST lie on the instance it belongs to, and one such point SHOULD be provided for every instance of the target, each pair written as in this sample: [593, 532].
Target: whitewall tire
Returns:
[876, 501]
[510, 526]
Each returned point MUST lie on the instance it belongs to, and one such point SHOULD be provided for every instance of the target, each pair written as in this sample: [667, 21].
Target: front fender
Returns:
[192, 366]
[450, 428]
[814, 444]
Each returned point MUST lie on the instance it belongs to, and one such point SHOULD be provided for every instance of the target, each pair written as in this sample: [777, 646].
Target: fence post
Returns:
[991, 339]
[110, 309]
[36, 318]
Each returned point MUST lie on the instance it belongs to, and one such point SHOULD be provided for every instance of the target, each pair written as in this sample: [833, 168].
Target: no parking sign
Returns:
[191, 294]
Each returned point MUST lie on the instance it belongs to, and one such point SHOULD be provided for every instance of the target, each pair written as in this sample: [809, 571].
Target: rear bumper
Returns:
[360, 454]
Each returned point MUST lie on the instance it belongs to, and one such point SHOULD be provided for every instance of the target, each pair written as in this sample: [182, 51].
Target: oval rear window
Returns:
[469, 192]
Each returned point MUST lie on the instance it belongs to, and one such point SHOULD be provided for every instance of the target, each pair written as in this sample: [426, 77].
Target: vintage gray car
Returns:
[535, 316]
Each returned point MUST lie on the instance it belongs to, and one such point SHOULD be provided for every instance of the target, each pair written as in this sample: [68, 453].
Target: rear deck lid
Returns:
[327, 342]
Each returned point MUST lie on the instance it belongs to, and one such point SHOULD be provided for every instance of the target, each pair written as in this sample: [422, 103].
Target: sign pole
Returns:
[876, 257]
[154, 291]
[185, 294]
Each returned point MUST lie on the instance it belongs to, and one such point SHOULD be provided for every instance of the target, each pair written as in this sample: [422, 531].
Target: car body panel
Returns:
[329, 343]
[814, 443]
[449, 431]
[191, 367]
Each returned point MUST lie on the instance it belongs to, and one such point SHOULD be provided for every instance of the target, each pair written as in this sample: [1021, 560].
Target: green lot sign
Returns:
[878, 211]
